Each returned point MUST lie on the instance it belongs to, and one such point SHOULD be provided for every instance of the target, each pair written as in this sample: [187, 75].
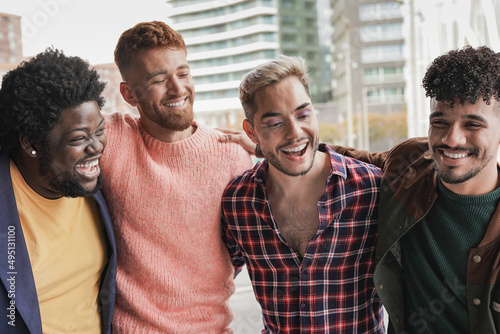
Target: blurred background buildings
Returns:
[366, 57]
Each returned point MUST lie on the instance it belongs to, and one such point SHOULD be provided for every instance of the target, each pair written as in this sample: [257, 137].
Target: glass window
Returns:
[377, 32]
[287, 3]
[382, 53]
[371, 71]
[289, 37]
[377, 11]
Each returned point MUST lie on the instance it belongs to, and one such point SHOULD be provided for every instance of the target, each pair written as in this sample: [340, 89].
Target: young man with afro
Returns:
[58, 258]
[438, 251]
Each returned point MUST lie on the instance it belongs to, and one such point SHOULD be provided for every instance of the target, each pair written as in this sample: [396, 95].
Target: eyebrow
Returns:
[436, 114]
[101, 123]
[160, 72]
[274, 114]
[471, 117]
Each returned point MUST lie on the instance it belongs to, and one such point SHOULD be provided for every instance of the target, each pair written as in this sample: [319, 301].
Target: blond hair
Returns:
[268, 73]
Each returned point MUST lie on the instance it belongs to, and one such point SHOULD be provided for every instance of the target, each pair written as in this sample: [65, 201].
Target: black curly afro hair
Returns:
[34, 95]
[466, 74]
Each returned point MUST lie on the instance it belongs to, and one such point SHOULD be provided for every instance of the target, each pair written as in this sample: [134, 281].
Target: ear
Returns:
[250, 131]
[127, 94]
[28, 147]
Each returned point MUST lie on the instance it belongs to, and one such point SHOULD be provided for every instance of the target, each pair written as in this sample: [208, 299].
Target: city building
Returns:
[368, 70]
[110, 74]
[433, 28]
[11, 49]
[227, 38]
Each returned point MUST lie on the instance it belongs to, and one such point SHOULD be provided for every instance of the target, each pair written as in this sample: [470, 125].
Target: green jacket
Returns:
[408, 191]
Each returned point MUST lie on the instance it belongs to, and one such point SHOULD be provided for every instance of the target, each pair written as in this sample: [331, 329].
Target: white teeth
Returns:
[295, 149]
[88, 164]
[177, 104]
[456, 155]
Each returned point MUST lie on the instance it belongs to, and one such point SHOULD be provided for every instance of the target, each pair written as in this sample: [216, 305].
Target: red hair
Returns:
[145, 35]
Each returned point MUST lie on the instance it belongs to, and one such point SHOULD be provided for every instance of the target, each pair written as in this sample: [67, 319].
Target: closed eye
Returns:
[100, 132]
[272, 124]
[77, 140]
[438, 123]
[473, 125]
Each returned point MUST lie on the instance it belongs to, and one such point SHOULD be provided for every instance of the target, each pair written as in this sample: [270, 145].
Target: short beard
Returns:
[450, 178]
[175, 122]
[273, 160]
[64, 183]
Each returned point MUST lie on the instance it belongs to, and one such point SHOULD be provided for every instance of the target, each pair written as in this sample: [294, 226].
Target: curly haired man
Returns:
[58, 262]
[438, 252]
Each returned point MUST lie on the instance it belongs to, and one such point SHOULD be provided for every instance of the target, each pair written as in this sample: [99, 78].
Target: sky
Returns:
[84, 28]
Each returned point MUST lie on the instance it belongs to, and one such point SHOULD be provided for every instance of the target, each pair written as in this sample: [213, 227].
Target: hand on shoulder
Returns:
[238, 137]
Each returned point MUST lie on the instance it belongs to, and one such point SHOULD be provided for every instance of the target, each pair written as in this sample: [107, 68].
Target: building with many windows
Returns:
[368, 68]
[11, 50]
[433, 28]
[227, 38]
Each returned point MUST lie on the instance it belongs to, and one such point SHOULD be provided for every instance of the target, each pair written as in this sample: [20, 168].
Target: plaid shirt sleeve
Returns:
[232, 246]
[331, 289]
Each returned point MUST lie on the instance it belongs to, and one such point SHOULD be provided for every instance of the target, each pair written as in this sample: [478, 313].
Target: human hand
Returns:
[241, 138]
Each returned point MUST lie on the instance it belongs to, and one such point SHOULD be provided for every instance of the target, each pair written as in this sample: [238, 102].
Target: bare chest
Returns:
[297, 224]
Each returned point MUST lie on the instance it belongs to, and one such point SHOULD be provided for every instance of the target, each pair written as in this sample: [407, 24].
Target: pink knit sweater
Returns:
[174, 273]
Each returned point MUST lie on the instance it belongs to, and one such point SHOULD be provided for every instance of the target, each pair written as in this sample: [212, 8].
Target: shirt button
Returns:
[476, 301]
[303, 305]
[381, 287]
[476, 258]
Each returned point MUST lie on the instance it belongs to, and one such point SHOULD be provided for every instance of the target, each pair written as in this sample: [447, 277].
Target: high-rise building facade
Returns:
[227, 38]
[434, 27]
[11, 50]
[368, 65]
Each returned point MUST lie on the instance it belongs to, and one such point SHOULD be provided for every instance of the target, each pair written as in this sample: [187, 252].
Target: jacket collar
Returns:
[18, 271]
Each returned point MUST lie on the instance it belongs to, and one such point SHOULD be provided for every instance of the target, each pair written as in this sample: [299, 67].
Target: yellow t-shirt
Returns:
[66, 245]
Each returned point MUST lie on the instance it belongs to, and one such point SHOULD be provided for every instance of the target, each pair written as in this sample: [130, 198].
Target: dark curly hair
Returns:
[145, 36]
[466, 74]
[34, 95]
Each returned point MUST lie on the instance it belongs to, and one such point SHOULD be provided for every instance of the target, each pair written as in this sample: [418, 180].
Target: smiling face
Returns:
[159, 83]
[464, 142]
[69, 166]
[285, 126]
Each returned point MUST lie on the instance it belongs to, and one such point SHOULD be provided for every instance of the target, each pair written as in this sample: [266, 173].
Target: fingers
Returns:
[230, 131]
[238, 137]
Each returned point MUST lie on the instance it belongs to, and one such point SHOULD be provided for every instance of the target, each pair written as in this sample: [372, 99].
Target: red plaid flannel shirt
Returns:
[332, 289]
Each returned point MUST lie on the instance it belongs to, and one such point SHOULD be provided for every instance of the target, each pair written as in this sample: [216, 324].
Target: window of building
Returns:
[381, 32]
[382, 53]
[309, 5]
[289, 38]
[379, 11]
[287, 3]
[219, 94]
[288, 21]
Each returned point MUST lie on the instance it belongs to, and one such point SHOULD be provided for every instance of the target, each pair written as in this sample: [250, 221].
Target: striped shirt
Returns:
[331, 290]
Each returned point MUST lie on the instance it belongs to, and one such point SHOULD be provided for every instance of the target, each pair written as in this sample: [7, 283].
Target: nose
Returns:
[174, 86]
[96, 145]
[454, 136]
[293, 130]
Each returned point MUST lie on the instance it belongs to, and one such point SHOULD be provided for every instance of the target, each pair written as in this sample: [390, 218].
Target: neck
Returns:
[31, 176]
[481, 184]
[166, 135]
[282, 184]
